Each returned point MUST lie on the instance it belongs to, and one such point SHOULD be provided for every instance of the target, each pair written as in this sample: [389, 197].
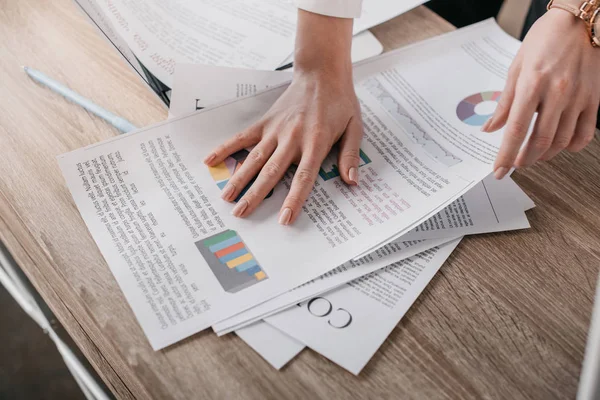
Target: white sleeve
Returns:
[332, 8]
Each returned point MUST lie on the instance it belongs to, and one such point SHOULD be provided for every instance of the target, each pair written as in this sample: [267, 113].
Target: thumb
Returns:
[349, 148]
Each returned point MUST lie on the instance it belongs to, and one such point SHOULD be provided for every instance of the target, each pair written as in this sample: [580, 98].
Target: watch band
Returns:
[579, 8]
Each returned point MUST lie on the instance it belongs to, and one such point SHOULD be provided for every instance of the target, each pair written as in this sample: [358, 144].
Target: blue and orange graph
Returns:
[230, 260]
[224, 171]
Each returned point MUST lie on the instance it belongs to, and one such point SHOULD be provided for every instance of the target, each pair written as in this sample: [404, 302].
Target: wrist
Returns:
[564, 16]
[323, 47]
[577, 15]
[320, 69]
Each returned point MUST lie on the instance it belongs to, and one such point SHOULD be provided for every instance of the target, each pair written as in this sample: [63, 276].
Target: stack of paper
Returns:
[345, 273]
[153, 36]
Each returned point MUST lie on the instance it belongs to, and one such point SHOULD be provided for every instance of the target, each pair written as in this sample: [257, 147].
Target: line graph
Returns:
[413, 130]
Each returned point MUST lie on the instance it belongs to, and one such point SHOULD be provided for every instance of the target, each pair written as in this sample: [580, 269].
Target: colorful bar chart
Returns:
[232, 263]
[224, 171]
[329, 168]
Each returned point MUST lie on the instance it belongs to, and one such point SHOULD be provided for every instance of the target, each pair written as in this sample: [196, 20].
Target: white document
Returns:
[364, 45]
[316, 323]
[218, 32]
[155, 210]
[488, 207]
[314, 330]
[446, 123]
[491, 206]
[200, 86]
[388, 254]
[347, 273]
[197, 86]
[349, 324]
[275, 306]
[276, 347]
[91, 9]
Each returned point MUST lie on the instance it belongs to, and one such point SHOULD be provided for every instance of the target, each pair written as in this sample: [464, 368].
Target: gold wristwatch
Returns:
[588, 11]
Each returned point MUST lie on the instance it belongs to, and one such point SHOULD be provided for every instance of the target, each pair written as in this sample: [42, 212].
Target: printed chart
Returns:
[230, 260]
[224, 171]
[329, 168]
[466, 110]
[412, 129]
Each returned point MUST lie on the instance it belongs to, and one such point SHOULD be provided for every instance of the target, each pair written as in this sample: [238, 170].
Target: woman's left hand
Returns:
[557, 74]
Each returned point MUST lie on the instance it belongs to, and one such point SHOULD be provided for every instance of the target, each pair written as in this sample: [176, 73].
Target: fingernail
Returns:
[286, 216]
[210, 158]
[239, 208]
[227, 191]
[353, 175]
[500, 173]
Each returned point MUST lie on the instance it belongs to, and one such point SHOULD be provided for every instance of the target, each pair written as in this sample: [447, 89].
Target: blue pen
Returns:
[120, 123]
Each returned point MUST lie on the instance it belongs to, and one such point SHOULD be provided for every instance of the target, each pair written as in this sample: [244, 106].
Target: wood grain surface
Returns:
[506, 317]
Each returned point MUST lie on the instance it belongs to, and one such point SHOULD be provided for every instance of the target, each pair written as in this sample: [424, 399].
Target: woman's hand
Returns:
[557, 74]
[317, 110]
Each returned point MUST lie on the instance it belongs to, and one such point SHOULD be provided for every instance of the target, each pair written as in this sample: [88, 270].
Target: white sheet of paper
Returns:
[311, 326]
[207, 84]
[197, 86]
[155, 210]
[274, 306]
[349, 324]
[276, 347]
[200, 86]
[322, 331]
[491, 206]
[228, 33]
[364, 45]
[487, 207]
[391, 253]
[440, 228]
[91, 9]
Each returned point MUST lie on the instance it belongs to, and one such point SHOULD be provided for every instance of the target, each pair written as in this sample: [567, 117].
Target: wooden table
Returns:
[506, 317]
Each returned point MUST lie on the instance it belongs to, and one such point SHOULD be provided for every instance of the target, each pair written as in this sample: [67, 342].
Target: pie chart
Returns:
[466, 110]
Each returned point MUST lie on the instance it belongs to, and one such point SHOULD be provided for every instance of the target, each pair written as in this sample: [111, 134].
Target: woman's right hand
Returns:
[318, 109]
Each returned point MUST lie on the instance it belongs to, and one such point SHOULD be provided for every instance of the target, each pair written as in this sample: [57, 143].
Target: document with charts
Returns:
[391, 253]
[466, 215]
[488, 207]
[184, 263]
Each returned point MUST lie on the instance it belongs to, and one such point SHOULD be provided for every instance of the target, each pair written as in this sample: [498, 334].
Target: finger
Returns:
[349, 151]
[543, 138]
[250, 167]
[241, 140]
[302, 185]
[269, 176]
[498, 120]
[564, 133]
[585, 129]
[521, 113]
